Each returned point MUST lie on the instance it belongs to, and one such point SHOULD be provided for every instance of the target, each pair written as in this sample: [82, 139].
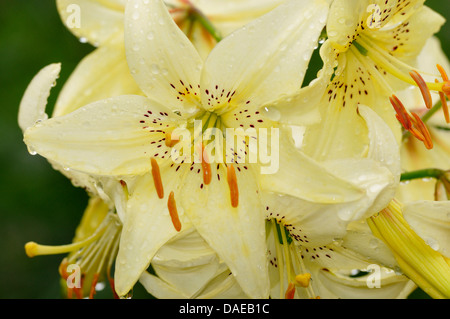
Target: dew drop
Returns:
[272, 113]
[135, 15]
[155, 69]
[31, 150]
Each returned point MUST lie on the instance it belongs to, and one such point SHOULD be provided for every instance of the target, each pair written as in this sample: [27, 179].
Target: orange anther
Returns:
[290, 291]
[446, 85]
[422, 128]
[402, 114]
[444, 106]
[171, 142]
[442, 72]
[423, 88]
[172, 206]
[232, 184]
[157, 178]
[94, 283]
[413, 124]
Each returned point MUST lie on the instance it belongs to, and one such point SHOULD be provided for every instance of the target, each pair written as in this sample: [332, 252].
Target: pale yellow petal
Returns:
[159, 288]
[186, 262]
[33, 103]
[161, 58]
[300, 176]
[92, 20]
[265, 59]
[431, 221]
[235, 232]
[117, 136]
[102, 74]
[147, 226]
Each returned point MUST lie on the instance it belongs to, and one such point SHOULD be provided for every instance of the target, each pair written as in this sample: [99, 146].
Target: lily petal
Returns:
[116, 136]
[161, 58]
[431, 221]
[102, 74]
[232, 232]
[159, 288]
[92, 20]
[318, 184]
[334, 276]
[34, 100]
[265, 59]
[186, 262]
[146, 227]
[400, 43]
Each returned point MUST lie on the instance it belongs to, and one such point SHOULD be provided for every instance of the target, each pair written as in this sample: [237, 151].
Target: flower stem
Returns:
[422, 173]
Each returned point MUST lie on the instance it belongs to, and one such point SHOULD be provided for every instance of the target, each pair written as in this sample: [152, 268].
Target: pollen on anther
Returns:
[157, 178]
[172, 206]
[423, 88]
[232, 184]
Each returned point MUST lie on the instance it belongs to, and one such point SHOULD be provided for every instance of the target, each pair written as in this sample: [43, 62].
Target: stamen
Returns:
[442, 72]
[290, 291]
[302, 280]
[232, 183]
[157, 178]
[402, 114]
[171, 204]
[423, 88]
[33, 249]
[446, 85]
[444, 105]
[413, 124]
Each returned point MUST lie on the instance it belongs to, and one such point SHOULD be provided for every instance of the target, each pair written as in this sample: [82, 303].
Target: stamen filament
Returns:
[33, 249]
[444, 104]
[279, 258]
[392, 65]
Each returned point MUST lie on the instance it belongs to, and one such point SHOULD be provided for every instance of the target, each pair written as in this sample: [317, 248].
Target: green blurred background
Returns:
[36, 202]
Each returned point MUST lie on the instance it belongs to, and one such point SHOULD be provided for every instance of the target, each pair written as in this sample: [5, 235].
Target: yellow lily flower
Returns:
[126, 137]
[374, 46]
[104, 72]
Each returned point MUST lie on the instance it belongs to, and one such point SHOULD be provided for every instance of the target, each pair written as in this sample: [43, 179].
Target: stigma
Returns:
[89, 260]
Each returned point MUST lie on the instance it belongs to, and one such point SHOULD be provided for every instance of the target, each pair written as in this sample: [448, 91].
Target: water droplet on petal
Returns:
[155, 69]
